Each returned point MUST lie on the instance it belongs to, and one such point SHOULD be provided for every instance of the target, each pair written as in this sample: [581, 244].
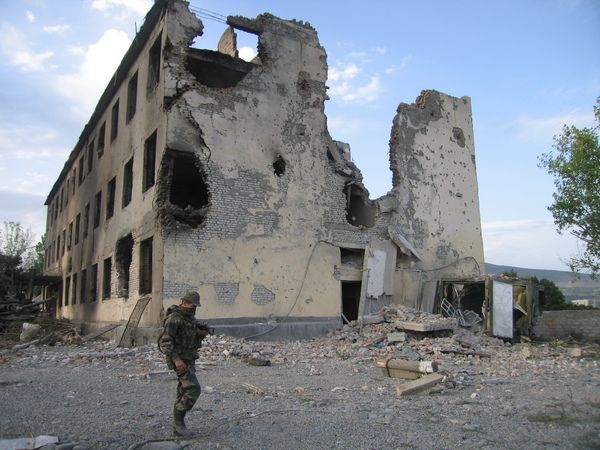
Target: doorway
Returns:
[350, 300]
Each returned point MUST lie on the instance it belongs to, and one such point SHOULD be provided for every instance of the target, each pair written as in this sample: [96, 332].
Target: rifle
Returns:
[204, 330]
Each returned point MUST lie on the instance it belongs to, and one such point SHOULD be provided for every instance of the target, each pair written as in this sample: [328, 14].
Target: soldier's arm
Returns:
[167, 340]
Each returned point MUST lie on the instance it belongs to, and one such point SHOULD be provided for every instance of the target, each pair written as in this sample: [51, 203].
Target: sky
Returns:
[529, 67]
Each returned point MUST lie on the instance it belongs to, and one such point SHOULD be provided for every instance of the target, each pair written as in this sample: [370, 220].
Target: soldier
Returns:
[180, 339]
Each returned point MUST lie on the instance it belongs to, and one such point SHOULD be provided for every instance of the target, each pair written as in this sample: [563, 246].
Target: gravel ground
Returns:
[316, 395]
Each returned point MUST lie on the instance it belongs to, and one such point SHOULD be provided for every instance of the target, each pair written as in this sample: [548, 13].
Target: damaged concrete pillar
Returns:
[432, 158]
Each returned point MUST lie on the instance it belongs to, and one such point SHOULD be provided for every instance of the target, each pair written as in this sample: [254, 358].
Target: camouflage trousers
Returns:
[188, 388]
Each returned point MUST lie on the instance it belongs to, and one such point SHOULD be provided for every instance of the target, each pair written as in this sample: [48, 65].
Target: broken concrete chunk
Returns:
[425, 327]
[372, 319]
[396, 337]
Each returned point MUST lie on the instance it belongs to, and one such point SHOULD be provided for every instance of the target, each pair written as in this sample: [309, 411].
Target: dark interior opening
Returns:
[123, 257]
[360, 211]
[466, 296]
[352, 257]
[279, 166]
[185, 189]
[215, 69]
[350, 300]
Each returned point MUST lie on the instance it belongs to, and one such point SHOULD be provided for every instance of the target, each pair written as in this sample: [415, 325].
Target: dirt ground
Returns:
[318, 394]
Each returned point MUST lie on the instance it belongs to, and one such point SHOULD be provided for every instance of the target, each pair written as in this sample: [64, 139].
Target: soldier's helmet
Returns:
[193, 297]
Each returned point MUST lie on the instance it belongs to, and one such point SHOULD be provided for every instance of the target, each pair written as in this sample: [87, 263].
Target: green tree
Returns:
[15, 242]
[576, 207]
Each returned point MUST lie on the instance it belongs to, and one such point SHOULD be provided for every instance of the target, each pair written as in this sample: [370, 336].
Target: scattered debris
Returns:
[251, 389]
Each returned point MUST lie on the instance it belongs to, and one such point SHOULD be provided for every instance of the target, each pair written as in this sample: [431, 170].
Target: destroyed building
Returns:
[199, 170]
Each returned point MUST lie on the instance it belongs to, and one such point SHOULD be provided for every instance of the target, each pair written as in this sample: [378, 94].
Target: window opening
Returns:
[106, 278]
[97, 209]
[185, 189]
[77, 224]
[86, 221]
[70, 236]
[149, 162]
[350, 300]
[101, 137]
[123, 258]
[353, 257]
[74, 289]
[80, 179]
[94, 283]
[114, 121]
[110, 198]
[67, 290]
[90, 156]
[132, 96]
[146, 266]
[127, 182]
[83, 289]
[154, 64]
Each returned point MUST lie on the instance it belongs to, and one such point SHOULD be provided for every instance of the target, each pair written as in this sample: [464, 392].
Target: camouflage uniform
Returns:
[180, 339]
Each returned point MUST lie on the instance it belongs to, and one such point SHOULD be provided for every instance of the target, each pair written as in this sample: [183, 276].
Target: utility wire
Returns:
[210, 15]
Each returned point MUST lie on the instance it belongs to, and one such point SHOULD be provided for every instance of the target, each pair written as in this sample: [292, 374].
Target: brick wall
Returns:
[584, 325]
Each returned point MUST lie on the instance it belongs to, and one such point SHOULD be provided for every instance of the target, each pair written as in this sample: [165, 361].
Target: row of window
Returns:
[78, 289]
[70, 236]
[82, 169]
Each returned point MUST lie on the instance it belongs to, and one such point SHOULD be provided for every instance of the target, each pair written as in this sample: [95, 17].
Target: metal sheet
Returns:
[502, 309]
[376, 266]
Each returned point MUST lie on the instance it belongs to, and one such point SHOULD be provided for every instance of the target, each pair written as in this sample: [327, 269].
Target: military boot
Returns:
[179, 427]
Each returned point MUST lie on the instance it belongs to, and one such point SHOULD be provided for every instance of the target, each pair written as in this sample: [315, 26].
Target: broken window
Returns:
[90, 156]
[106, 278]
[94, 283]
[127, 182]
[123, 257]
[86, 221]
[97, 209]
[101, 137]
[184, 188]
[154, 64]
[57, 247]
[83, 288]
[146, 266]
[149, 162]
[114, 121]
[64, 239]
[132, 97]
[279, 166]
[110, 198]
[360, 211]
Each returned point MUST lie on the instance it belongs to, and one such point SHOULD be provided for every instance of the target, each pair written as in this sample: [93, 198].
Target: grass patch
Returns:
[561, 419]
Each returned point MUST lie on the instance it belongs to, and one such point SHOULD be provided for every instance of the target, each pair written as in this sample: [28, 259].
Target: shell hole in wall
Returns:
[279, 166]
[360, 211]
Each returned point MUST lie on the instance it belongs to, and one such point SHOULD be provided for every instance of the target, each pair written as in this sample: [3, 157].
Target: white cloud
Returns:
[531, 243]
[30, 16]
[28, 142]
[84, 86]
[17, 50]
[247, 53]
[344, 72]
[348, 92]
[544, 128]
[399, 67]
[380, 50]
[58, 29]
[121, 9]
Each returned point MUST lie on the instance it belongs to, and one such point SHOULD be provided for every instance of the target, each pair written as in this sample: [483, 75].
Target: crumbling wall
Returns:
[432, 159]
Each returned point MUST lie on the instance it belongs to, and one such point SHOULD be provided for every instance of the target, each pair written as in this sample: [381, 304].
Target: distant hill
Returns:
[573, 285]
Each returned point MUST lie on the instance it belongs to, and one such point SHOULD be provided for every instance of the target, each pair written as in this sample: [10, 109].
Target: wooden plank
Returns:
[421, 367]
[423, 383]
[399, 373]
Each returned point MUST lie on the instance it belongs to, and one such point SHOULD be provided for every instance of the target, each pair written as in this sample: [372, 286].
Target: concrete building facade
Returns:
[199, 170]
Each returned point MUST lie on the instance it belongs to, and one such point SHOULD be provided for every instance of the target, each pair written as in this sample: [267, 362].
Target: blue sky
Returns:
[529, 67]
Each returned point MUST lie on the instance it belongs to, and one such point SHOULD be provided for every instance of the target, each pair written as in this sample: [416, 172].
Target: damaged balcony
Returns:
[184, 197]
